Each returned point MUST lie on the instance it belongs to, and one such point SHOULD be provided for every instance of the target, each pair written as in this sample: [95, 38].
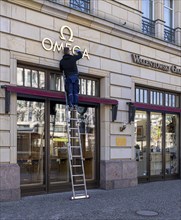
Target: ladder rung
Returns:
[76, 185]
[74, 119]
[76, 155]
[74, 146]
[73, 128]
[76, 165]
[78, 174]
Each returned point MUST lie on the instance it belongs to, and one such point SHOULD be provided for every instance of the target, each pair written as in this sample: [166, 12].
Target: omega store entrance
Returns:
[42, 145]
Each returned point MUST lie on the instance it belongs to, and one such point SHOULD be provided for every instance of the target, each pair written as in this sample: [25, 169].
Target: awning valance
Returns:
[56, 95]
[148, 107]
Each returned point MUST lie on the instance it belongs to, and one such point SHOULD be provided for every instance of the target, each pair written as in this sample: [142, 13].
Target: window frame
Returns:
[163, 93]
[47, 83]
[171, 9]
[151, 10]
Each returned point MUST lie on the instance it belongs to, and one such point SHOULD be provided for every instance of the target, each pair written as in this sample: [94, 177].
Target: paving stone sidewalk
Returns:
[157, 200]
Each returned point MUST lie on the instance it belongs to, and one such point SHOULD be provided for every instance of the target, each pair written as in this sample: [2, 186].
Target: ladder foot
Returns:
[80, 197]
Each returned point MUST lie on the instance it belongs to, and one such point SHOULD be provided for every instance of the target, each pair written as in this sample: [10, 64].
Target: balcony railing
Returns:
[169, 34]
[80, 5]
[148, 26]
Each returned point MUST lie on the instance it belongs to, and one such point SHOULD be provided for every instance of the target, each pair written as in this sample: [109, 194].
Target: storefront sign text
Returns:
[137, 59]
[50, 45]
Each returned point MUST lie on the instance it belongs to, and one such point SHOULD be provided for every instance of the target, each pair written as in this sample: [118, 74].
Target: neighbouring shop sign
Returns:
[152, 64]
[50, 45]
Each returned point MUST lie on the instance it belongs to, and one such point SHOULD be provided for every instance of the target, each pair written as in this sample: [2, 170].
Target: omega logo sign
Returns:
[50, 45]
[137, 59]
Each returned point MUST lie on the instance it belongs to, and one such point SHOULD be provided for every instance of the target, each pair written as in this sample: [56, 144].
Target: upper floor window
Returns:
[168, 13]
[147, 9]
[148, 25]
[81, 5]
[155, 97]
[169, 32]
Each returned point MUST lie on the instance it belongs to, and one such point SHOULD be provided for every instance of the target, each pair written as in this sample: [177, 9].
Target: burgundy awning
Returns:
[156, 107]
[133, 106]
[56, 95]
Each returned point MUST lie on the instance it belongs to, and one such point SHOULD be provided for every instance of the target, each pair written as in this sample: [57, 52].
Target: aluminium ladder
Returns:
[76, 164]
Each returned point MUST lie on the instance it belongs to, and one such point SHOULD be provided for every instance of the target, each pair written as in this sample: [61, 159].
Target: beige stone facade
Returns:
[111, 33]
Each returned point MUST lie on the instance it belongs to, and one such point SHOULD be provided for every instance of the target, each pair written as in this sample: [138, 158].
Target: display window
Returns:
[157, 139]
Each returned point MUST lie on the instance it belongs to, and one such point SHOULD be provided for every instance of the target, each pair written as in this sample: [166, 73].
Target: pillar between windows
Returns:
[178, 36]
[177, 22]
[159, 28]
[159, 18]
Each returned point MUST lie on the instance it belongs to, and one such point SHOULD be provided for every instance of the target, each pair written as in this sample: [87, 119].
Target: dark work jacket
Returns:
[68, 64]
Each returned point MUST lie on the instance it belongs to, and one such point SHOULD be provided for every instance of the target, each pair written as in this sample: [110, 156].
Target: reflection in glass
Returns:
[89, 89]
[41, 80]
[137, 95]
[141, 95]
[147, 9]
[168, 12]
[87, 129]
[57, 83]
[154, 98]
[52, 82]
[20, 76]
[83, 87]
[34, 79]
[171, 148]
[173, 101]
[166, 99]
[161, 98]
[93, 88]
[156, 143]
[30, 141]
[62, 84]
[141, 142]
[27, 75]
[145, 96]
[59, 166]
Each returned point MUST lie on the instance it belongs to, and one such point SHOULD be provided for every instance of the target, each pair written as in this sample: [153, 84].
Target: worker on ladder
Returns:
[69, 67]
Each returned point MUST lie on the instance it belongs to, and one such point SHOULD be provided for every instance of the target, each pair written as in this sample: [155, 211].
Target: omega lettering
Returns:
[54, 46]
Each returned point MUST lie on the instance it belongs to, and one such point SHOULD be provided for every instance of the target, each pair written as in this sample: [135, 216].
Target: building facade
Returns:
[130, 92]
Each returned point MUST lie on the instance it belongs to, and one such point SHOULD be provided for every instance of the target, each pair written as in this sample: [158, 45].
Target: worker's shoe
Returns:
[71, 108]
[75, 107]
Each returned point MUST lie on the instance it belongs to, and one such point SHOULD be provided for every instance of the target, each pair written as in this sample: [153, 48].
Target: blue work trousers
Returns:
[72, 88]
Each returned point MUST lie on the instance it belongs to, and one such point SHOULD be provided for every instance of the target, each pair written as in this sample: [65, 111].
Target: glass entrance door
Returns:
[141, 143]
[156, 145]
[59, 164]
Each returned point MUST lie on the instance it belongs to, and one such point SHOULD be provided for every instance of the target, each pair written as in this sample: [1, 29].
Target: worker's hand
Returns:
[77, 51]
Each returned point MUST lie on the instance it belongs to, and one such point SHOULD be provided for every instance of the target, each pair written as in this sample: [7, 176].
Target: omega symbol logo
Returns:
[62, 37]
